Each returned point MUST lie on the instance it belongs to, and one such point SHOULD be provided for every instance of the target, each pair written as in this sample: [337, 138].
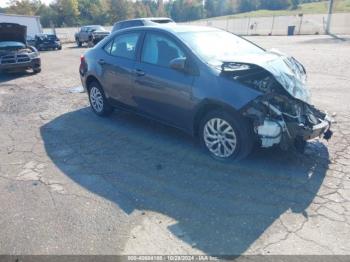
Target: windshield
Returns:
[216, 46]
[52, 37]
[95, 28]
[49, 37]
[11, 44]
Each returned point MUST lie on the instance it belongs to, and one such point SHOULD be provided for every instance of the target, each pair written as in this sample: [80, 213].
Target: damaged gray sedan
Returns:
[219, 87]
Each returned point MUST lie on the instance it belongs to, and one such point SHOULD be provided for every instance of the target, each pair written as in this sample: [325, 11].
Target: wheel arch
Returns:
[89, 80]
[207, 106]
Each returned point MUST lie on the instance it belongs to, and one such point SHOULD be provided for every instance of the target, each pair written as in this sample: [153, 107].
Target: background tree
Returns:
[106, 12]
[23, 7]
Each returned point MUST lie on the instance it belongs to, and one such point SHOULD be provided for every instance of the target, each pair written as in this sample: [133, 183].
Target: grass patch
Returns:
[341, 6]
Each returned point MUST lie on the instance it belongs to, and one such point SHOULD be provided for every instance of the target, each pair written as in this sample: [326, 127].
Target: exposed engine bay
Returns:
[15, 54]
[282, 115]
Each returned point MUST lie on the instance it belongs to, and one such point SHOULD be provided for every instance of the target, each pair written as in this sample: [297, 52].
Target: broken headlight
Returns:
[264, 85]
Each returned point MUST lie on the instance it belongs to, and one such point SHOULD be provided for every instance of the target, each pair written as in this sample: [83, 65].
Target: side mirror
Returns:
[178, 64]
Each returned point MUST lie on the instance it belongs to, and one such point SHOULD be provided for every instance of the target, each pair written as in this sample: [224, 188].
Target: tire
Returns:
[226, 136]
[79, 44]
[36, 70]
[98, 101]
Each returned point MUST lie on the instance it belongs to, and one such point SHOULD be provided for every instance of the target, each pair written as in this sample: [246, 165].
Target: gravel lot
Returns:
[73, 183]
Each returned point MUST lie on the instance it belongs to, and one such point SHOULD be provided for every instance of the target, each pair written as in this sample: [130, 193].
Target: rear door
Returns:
[160, 91]
[118, 66]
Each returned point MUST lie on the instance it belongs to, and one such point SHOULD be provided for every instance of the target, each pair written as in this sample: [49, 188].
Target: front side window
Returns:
[160, 50]
[124, 45]
[95, 28]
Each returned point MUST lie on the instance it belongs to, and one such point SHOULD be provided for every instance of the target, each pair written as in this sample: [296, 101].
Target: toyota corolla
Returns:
[220, 88]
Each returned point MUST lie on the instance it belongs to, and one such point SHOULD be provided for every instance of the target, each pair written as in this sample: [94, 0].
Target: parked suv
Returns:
[149, 21]
[219, 87]
[90, 34]
[47, 42]
[15, 54]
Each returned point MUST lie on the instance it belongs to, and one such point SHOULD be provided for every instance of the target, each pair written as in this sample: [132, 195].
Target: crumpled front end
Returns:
[282, 115]
[287, 122]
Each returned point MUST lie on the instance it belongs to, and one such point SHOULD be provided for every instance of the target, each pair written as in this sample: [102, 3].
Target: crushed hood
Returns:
[13, 32]
[286, 70]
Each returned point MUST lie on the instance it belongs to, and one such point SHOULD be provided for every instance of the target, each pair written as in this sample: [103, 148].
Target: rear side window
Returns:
[107, 47]
[160, 50]
[133, 23]
[123, 46]
[162, 21]
[126, 24]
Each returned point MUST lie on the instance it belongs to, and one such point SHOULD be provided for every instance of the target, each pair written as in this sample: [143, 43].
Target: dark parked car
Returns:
[47, 42]
[149, 21]
[90, 34]
[15, 54]
[30, 40]
[219, 87]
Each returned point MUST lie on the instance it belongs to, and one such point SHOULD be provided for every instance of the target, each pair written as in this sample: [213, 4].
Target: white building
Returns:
[31, 22]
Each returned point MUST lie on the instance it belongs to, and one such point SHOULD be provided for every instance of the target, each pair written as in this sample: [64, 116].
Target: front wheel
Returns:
[36, 70]
[79, 44]
[226, 136]
[98, 100]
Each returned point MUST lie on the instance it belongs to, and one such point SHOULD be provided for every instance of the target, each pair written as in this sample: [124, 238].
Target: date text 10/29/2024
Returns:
[172, 258]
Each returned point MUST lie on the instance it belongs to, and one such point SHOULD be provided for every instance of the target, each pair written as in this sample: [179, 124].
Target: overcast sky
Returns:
[3, 3]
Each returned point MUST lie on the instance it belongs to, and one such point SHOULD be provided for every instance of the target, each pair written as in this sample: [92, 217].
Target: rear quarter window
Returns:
[126, 24]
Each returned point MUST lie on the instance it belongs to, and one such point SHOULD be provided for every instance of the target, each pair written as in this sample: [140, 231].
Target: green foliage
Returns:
[186, 10]
[107, 12]
[23, 7]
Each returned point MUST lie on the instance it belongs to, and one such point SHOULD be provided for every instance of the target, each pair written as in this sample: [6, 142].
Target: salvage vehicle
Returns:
[47, 42]
[220, 88]
[90, 34]
[149, 21]
[15, 54]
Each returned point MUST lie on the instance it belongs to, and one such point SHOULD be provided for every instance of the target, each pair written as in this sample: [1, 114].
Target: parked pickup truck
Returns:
[15, 53]
[90, 34]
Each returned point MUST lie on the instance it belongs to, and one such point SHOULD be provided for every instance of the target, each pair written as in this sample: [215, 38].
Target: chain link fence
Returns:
[274, 25]
[281, 25]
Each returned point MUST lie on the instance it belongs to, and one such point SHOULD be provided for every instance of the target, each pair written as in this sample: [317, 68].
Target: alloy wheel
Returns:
[96, 99]
[219, 137]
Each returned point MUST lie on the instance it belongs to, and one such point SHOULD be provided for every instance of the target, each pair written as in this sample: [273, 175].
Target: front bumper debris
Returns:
[273, 126]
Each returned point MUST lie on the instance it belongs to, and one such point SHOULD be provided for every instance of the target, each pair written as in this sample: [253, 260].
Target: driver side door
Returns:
[160, 91]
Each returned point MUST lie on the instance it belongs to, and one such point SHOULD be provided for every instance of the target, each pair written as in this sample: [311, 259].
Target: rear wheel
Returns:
[226, 136]
[98, 100]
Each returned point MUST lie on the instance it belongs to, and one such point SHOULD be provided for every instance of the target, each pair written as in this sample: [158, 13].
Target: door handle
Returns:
[101, 62]
[139, 72]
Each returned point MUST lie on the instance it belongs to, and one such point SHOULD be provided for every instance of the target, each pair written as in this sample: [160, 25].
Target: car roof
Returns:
[173, 28]
[45, 34]
[145, 19]
[92, 26]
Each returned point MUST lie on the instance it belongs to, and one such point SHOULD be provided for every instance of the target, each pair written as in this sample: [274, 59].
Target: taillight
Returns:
[82, 68]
